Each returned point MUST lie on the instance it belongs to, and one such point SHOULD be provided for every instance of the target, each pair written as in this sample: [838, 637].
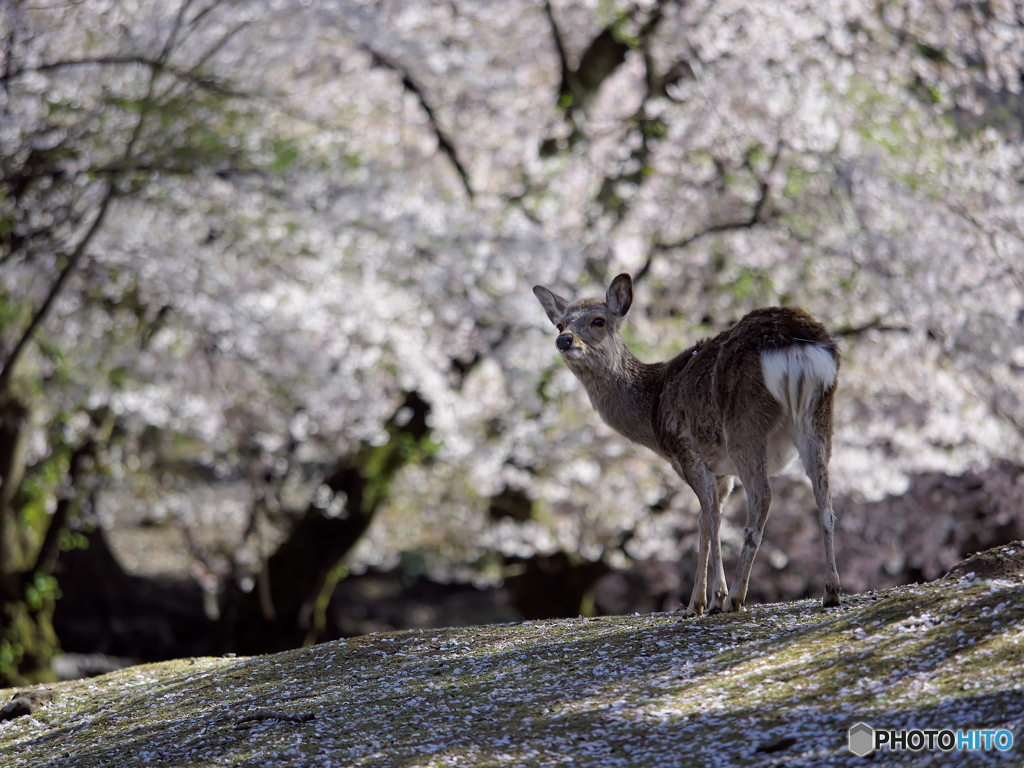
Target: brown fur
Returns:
[713, 414]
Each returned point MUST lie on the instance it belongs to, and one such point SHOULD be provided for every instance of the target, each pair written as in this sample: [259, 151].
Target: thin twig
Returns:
[274, 714]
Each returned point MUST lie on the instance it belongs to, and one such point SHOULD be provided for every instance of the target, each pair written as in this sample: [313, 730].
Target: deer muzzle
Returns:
[564, 342]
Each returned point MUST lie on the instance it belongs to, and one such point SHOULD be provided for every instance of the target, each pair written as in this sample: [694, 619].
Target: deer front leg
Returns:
[709, 548]
[719, 587]
[699, 596]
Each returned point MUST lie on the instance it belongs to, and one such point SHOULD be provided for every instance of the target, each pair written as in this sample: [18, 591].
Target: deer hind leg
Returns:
[815, 449]
[754, 475]
[709, 547]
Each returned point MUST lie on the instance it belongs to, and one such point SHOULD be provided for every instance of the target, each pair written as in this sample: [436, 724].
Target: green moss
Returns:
[752, 283]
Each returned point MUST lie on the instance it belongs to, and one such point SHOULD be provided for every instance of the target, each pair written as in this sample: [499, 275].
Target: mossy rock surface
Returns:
[774, 685]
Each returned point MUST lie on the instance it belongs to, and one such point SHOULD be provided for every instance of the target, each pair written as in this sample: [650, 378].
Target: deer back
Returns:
[737, 387]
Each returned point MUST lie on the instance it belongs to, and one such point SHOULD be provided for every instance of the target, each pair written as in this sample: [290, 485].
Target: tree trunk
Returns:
[13, 437]
[554, 586]
[28, 589]
[288, 609]
[27, 639]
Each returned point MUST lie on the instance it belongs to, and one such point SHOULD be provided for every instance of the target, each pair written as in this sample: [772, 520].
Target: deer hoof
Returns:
[717, 601]
[831, 598]
[693, 609]
[732, 605]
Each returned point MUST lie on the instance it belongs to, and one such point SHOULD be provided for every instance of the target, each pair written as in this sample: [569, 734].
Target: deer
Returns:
[743, 404]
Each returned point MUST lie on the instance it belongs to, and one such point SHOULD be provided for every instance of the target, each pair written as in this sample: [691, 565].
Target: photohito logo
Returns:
[862, 739]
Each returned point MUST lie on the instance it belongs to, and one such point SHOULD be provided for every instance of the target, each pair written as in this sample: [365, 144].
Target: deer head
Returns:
[588, 329]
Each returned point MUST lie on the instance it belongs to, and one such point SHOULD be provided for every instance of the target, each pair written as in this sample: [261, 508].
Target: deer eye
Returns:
[560, 327]
[597, 322]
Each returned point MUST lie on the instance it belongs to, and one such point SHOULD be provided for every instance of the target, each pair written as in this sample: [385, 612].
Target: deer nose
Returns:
[564, 341]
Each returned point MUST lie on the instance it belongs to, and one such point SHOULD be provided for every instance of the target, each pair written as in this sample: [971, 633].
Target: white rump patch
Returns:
[797, 375]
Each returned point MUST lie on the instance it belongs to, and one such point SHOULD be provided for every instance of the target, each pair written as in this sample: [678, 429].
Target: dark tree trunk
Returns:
[105, 610]
[555, 586]
[27, 638]
[288, 609]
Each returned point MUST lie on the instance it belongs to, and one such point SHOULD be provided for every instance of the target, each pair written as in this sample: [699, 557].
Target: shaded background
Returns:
[272, 370]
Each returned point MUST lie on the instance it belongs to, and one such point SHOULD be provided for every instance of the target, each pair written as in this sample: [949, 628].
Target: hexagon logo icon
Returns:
[861, 739]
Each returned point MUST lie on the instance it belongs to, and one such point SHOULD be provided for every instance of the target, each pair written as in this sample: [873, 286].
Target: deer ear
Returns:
[553, 304]
[620, 295]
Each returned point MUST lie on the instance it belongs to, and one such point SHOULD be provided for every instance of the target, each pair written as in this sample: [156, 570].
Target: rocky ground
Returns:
[778, 684]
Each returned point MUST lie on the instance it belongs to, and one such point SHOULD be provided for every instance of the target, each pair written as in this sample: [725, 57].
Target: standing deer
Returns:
[743, 403]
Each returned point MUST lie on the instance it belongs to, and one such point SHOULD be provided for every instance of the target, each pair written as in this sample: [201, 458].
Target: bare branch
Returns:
[55, 290]
[194, 21]
[411, 86]
[48, 553]
[217, 46]
[15, 27]
[172, 38]
[755, 218]
[566, 86]
[71, 264]
[274, 714]
[205, 82]
[876, 324]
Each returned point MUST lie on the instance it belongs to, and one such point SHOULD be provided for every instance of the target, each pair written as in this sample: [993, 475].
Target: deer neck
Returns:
[624, 392]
